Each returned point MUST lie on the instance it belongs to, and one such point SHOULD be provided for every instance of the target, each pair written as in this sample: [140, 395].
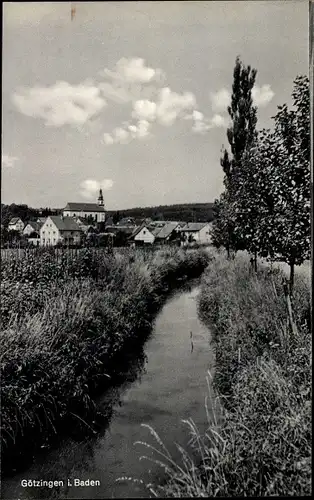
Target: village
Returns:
[86, 224]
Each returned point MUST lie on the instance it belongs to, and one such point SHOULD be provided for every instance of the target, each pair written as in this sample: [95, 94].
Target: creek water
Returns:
[167, 384]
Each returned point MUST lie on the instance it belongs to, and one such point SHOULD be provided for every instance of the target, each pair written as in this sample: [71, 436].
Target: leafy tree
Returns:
[290, 178]
[241, 136]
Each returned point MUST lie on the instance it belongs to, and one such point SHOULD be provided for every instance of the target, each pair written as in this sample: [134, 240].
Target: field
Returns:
[260, 442]
[67, 322]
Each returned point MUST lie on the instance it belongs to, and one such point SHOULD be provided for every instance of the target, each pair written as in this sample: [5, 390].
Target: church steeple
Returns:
[100, 199]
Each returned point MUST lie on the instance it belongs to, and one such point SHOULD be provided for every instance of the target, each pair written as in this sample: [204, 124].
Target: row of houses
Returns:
[72, 230]
[79, 220]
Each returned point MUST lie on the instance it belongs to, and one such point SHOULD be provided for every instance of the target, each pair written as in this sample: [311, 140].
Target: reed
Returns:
[258, 441]
[67, 325]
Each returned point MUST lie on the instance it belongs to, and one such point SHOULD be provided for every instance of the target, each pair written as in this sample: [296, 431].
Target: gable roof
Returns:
[155, 230]
[84, 207]
[194, 226]
[138, 229]
[65, 223]
[166, 230]
[14, 220]
[34, 224]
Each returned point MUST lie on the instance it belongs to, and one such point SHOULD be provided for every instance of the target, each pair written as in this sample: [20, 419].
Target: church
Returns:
[87, 210]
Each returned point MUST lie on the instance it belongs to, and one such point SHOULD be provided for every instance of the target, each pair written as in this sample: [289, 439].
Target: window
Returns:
[144, 232]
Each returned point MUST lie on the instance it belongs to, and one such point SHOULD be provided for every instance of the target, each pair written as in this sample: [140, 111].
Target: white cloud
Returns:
[90, 187]
[144, 110]
[8, 161]
[121, 135]
[61, 103]
[262, 95]
[220, 100]
[108, 139]
[132, 131]
[202, 125]
[172, 105]
[219, 121]
[134, 70]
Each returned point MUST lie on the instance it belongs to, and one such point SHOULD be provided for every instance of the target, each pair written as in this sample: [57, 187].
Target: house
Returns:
[32, 227]
[41, 220]
[166, 232]
[16, 224]
[59, 229]
[199, 232]
[32, 232]
[126, 221]
[94, 211]
[84, 225]
[142, 236]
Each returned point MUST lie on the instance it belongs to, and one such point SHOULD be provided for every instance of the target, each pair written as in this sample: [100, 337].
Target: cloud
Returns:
[134, 70]
[60, 104]
[9, 161]
[144, 110]
[130, 80]
[202, 124]
[124, 135]
[172, 106]
[90, 187]
[262, 95]
[220, 100]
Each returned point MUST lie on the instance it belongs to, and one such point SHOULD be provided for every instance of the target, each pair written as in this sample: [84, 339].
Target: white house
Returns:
[94, 210]
[32, 227]
[16, 224]
[142, 236]
[59, 229]
[199, 232]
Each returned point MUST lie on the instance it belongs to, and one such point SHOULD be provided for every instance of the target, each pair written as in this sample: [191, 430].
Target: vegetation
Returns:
[67, 323]
[258, 442]
[187, 212]
[265, 208]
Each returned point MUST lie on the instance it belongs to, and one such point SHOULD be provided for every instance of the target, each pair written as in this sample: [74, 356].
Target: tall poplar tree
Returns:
[241, 136]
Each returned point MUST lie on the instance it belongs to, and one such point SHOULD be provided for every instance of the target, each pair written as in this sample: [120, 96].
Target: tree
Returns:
[275, 203]
[241, 136]
[291, 179]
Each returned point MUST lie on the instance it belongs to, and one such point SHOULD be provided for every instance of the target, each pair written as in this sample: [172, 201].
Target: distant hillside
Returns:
[192, 212]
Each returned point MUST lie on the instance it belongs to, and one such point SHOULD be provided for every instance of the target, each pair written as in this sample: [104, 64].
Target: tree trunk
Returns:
[255, 261]
[291, 276]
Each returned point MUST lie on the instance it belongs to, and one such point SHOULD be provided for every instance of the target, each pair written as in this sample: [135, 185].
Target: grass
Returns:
[259, 441]
[68, 324]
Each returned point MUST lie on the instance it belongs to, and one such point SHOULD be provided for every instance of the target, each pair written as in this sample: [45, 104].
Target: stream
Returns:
[166, 384]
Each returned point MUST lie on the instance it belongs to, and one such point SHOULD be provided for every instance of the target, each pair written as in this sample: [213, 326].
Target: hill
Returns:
[192, 212]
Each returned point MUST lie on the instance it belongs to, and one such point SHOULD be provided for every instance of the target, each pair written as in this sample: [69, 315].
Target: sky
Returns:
[132, 96]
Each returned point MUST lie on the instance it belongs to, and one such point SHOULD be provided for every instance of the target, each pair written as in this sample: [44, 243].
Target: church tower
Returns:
[101, 199]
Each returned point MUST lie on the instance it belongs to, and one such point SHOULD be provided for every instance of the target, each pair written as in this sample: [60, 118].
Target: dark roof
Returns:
[14, 220]
[84, 207]
[115, 229]
[65, 223]
[109, 221]
[155, 230]
[126, 221]
[35, 225]
[41, 220]
[194, 226]
[166, 230]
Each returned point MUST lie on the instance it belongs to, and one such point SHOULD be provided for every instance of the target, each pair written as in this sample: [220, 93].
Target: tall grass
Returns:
[66, 326]
[260, 444]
